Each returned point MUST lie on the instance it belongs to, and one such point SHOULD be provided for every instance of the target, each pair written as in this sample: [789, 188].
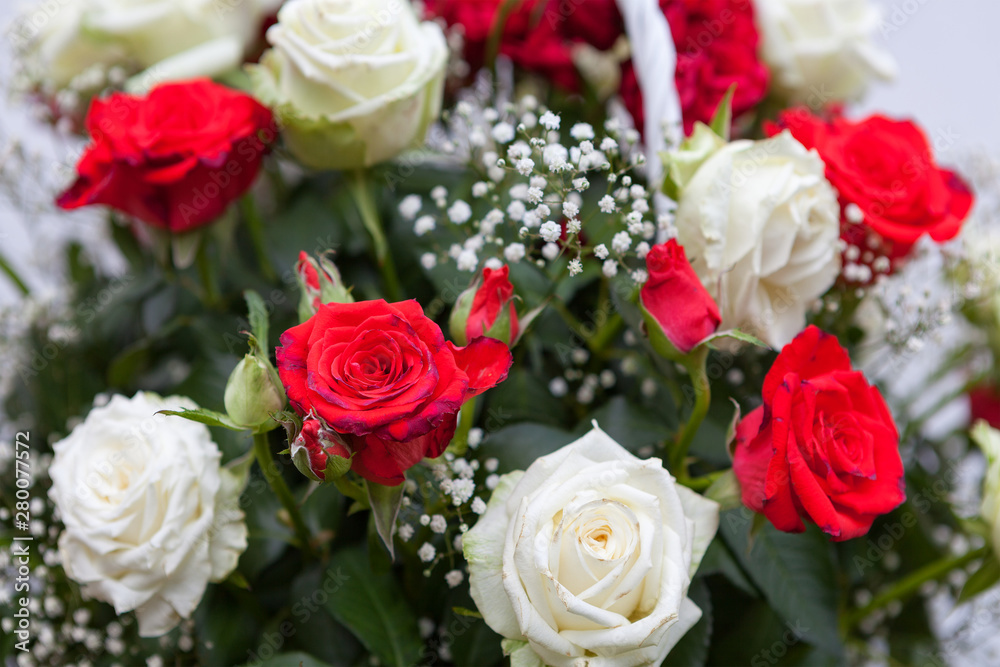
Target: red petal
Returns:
[384, 461]
[485, 360]
[812, 353]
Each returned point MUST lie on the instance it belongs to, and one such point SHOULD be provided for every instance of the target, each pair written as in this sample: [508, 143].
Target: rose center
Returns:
[108, 481]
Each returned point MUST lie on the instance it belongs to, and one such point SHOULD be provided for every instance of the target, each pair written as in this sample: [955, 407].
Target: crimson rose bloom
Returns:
[174, 159]
[885, 167]
[383, 375]
[676, 299]
[531, 36]
[822, 447]
[984, 403]
[716, 42]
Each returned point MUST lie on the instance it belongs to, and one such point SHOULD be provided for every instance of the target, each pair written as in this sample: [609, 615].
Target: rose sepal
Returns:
[680, 165]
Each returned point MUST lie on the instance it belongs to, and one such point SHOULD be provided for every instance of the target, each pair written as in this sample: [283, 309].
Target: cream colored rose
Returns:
[821, 51]
[353, 82]
[150, 517]
[988, 439]
[585, 559]
[761, 225]
[178, 39]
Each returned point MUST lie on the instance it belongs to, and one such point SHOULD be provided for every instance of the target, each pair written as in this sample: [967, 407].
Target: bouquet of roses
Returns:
[476, 332]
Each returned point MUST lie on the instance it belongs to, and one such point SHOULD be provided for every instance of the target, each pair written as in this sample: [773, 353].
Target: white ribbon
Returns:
[655, 60]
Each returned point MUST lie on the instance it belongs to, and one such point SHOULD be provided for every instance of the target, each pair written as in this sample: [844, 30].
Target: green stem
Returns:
[207, 274]
[912, 583]
[352, 490]
[702, 398]
[255, 225]
[365, 201]
[460, 443]
[262, 450]
[14, 277]
[702, 483]
[496, 31]
[607, 333]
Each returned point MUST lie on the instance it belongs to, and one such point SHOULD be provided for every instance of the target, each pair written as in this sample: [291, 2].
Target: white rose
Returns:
[761, 225]
[988, 439]
[354, 82]
[60, 39]
[821, 51]
[587, 556]
[150, 517]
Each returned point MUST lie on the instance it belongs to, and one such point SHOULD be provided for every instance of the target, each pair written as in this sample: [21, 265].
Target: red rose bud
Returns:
[175, 158]
[891, 190]
[486, 308]
[319, 452]
[823, 446]
[320, 283]
[675, 302]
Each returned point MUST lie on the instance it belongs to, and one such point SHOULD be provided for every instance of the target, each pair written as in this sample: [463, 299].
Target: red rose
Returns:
[320, 283]
[174, 159]
[822, 447]
[531, 37]
[886, 168]
[480, 310]
[716, 42]
[984, 403]
[383, 375]
[675, 298]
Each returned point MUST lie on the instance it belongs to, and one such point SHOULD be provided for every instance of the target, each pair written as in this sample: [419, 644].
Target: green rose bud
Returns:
[253, 392]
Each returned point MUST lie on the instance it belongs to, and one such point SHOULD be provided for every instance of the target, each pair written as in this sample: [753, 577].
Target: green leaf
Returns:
[731, 429]
[520, 654]
[632, 426]
[184, 247]
[296, 659]
[726, 491]
[736, 334]
[462, 611]
[794, 571]
[984, 578]
[722, 121]
[522, 397]
[718, 560]
[317, 633]
[475, 643]
[517, 447]
[257, 314]
[692, 649]
[237, 579]
[373, 608]
[205, 416]
[385, 502]
[658, 338]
